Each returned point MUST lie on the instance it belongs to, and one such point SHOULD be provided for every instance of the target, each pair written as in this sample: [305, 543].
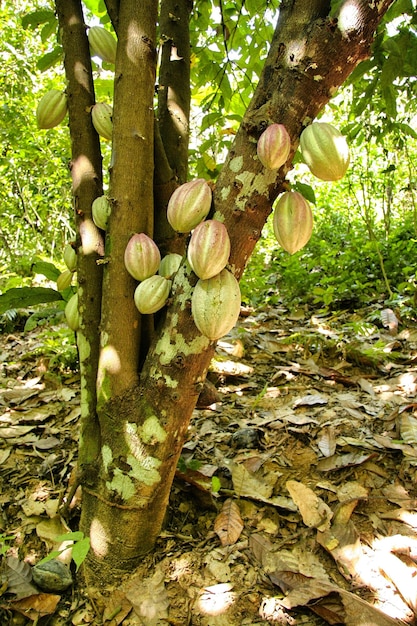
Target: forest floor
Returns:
[295, 501]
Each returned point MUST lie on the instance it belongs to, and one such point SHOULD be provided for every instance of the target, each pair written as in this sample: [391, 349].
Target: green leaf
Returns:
[80, 551]
[50, 59]
[36, 18]
[24, 297]
[46, 269]
[306, 190]
[95, 6]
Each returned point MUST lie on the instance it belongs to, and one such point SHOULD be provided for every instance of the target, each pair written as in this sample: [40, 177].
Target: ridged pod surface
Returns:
[169, 265]
[142, 257]
[215, 304]
[325, 151]
[101, 114]
[209, 249]
[70, 258]
[101, 209]
[51, 109]
[274, 146]
[64, 280]
[102, 44]
[71, 313]
[152, 294]
[292, 221]
[189, 205]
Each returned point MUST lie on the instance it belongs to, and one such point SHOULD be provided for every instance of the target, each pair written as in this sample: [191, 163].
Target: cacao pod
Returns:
[70, 258]
[274, 146]
[215, 304]
[101, 114]
[208, 249]
[64, 280]
[325, 151]
[102, 44]
[101, 209]
[142, 257]
[52, 109]
[189, 205]
[71, 313]
[292, 221]
[169, 265]
[152, 294]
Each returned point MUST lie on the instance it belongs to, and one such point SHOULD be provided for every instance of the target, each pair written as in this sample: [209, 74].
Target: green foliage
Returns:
[79, 548]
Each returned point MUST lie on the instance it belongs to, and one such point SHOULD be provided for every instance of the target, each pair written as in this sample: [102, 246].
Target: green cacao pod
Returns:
[70, 257]
[142, 257]
[169, 265]
[71, 313]
[209, 249]
[64, 280]
[52, 109]
[325, 151]
[101, 209]
[189, 205]
[152, 294]
[102, 44]
[292, 221]
[274, 146]
[215, 304]
[101, 114]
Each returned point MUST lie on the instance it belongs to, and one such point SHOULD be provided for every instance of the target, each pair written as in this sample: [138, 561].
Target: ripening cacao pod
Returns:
[325, 151]
[101, 209]
[152, 294]
[189, 205]
[142, 257]
[70, 258]
[274, 146]
[292, 221]
[169, 265]
[102, 44]
[215, 304]
[209, 249]
[101, 114]
[71, 313]
[64, 280]
[52, 109]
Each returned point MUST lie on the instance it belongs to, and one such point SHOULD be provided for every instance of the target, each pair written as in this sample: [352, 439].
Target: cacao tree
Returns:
[141, 373]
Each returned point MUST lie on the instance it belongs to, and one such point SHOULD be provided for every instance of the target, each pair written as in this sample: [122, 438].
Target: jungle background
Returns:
[320, 371]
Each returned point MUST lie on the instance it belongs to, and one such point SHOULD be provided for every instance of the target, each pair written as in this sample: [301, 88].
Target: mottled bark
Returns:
[86, 172]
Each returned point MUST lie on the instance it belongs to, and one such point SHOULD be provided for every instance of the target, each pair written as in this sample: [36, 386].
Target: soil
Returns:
[294, 502]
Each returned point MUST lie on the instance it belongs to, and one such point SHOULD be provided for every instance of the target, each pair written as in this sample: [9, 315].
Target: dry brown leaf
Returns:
[36, 606]
[314, 511]
[228, 525]
[389, 320]
[338, 461]
[408, 428]
[403, 576]
[117, 608]
[326, 441]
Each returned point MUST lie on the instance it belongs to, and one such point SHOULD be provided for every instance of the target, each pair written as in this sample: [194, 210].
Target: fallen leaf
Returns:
[314, 511]
[228, 525]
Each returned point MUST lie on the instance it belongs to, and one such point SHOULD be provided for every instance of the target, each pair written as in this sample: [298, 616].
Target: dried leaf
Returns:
[311, 400]
[408, 428]
[36, 606]
[228, 525]
[314, 511]
[326, 441]
[389, 320]
[19, 576]
[149, 598]
[247, 485]
[343, 460]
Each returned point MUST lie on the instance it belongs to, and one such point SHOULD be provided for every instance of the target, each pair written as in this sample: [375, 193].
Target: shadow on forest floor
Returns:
[295, 500]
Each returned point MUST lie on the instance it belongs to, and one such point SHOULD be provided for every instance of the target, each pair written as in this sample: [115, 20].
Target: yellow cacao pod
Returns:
[215, 304]
[52, 109]
[152, 294]
[71, 313]
[169, 265]
[209, 249]
[64, 280]
[292, 221]
[274, 146]
[70, 257]
[189, 205]
[101, 209]
[325, 151]
[101, 114]
[102, 44]
[142, 257]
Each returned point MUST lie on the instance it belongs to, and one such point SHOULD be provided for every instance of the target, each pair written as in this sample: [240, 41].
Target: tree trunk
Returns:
[148, 386]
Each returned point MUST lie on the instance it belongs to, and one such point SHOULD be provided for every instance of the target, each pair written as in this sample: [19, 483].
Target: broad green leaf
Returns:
[50, 59]
[36, 18]
[24, 297]
[306, 190]
[46, 269]
[80, 550]
[95, 6]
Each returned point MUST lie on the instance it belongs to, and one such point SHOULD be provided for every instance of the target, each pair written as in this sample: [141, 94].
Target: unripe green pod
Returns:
[101, 209]
[102, 44]
[101, 114]
[189, 205]
[64, 280]
[274, 146]
[325, 151]
[70, 258]
[209, 249]
[142, 257]
[151, 294]
[169, 265]
[52, 109]
[71, 313]
[292, 221]
[215, 304]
